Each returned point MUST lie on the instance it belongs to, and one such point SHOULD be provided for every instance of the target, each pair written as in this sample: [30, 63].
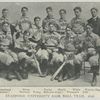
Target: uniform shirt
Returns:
[96, 24]
[37, 32]
[67, 42]
[63, 24]
[6, 35]
[23, 23]
[5, 41]
[78, 20]
[78, 41]
[24, 45]
[51, 38]
[3, 19]
[91, 41]
[46, 21]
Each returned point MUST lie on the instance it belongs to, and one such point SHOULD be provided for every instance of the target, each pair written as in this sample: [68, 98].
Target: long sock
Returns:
[94, 77]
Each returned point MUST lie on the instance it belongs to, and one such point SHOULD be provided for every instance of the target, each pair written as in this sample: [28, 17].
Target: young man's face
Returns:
[6, 27]
[52, 27]
[37, 22]
[4, 47]
[49, 12]
[68, 31]
[77, 13]
[89, 29]
[94, 13]
[5, 13]
[26, 37]
[62, 14]
[24, 12]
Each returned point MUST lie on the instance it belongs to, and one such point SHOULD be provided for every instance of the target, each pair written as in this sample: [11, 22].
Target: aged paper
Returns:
[49, 49]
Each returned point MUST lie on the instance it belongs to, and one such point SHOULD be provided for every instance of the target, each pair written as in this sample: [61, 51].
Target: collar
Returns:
[4, 31]
[24, 17]
[26, 41]
[38, 27]
[4, 17]
[90, 34]
[50, 17]
[95, 17]
[78, 17]
[61, 19]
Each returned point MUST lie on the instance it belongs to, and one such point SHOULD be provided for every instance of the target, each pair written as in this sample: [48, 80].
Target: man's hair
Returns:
[50, 8]
[24, 8]
[78, 8]
[3, 23]
[5, 9]
[89, 25]
[37, 18]
[26, 33]
[62, 10]
[51, 23]
[94, 9]
[69, 26]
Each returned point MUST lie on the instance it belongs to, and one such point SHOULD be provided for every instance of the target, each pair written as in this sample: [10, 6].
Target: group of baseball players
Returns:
[56, 48]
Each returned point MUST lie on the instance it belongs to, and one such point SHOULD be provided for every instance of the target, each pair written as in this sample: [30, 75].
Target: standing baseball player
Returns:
[50, 41]
[49, 19]
[23, 24]
[62, 21]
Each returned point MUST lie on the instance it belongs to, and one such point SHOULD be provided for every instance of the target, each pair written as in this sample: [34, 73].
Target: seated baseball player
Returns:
[37, 30]
[65, 48]
[72, 47]
[8, 57]
[50, 40]
[26, 55]
[79, 54]
[6, 30]
[90, 52]
[91, 45]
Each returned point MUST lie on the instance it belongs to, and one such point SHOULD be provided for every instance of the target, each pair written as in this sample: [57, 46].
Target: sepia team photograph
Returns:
[49, 44]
